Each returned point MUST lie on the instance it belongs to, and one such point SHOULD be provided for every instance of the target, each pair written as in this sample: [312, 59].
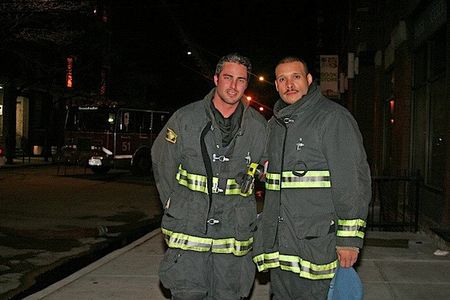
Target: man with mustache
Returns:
[318, 188]
[198, 162]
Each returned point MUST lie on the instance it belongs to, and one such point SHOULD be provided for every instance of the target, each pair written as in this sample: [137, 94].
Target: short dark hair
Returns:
[234, 58]
[289, 59]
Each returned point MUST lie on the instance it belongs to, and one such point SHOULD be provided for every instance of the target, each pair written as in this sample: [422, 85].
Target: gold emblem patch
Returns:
[171, 136]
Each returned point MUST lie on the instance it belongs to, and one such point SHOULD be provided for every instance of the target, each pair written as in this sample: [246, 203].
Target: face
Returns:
[291, 81]
[231, 83]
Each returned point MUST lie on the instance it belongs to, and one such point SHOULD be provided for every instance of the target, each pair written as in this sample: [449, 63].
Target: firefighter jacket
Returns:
[318, 188]
[198, 180]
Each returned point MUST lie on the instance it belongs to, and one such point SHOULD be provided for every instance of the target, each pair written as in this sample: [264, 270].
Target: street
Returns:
[48, 220]
[51, 226]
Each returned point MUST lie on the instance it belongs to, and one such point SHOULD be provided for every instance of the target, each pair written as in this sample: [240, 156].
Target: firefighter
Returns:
[318, 188]
[199, 160]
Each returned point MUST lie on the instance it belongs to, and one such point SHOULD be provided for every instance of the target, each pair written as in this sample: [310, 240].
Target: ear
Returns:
[309, 78]
[216, 79]
[276, 85]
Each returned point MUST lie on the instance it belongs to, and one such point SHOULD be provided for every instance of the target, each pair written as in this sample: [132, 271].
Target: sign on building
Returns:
[329, 76]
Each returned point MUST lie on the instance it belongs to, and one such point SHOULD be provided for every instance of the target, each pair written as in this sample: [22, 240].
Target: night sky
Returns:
[151, 40]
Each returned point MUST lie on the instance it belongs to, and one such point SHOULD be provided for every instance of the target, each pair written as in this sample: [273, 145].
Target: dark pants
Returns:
[192, 275]
[287, 285]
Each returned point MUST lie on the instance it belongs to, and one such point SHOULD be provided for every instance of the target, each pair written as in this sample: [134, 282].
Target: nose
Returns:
[289, 83]
[234, 83]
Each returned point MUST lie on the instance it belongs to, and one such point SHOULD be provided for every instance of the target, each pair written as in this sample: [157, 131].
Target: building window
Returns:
[438, 134]
[430, 119]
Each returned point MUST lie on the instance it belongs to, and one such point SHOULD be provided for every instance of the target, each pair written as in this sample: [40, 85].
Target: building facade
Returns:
[400, 94]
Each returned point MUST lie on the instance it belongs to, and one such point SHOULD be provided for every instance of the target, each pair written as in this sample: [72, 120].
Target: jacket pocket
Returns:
[169, 274]
[245, 220]
[316, 238]
[315, 227]
[175, 211]
[258, 239]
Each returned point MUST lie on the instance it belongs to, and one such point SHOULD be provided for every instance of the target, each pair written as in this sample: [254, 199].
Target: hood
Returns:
[207, 104]
[281, 109]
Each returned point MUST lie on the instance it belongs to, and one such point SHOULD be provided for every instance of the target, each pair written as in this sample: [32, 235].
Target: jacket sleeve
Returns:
[262, 141]
[166, 156]
[265, 155]
[350, 177]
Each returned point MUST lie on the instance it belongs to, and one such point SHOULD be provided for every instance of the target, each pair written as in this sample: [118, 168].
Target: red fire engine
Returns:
[108, 137]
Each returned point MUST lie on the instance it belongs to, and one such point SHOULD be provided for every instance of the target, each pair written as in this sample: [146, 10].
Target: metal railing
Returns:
[395, 203]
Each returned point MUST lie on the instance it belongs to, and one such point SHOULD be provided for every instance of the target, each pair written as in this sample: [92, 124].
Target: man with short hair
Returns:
[209, 218]
[318, 188]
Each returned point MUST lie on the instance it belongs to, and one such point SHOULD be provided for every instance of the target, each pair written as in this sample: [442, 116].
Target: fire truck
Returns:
[102, 138]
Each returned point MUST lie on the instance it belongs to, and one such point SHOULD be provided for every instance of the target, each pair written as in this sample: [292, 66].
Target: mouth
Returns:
[291, 92]
[232, 93]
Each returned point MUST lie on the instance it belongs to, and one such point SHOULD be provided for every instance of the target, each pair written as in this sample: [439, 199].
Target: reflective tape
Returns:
[311, 179]
[351, 228]
[193, 243]
[234, 188]
[192, 181]
[198, 183]
[295, 264]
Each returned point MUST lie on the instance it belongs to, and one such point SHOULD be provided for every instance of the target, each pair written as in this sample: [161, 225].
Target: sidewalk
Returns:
[409, 270]
[26, 161]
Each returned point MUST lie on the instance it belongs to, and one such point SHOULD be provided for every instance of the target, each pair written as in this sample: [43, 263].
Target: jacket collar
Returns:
[282, 110]
[210, 115]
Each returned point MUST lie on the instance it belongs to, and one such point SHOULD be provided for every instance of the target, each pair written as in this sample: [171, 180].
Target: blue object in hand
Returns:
[346, 285]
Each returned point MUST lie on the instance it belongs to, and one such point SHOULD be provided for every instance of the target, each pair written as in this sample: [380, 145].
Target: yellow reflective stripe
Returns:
[198, 183]
[267, 261]
[186, 242]
[193, 243]
[233, 188]
[351, 228]
[273, 181]
[232, 246]
[193, 181]
[295, 264]
[311, 179]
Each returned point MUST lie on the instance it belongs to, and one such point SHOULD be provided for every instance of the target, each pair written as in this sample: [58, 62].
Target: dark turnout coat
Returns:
[198, 216]
[318, 187]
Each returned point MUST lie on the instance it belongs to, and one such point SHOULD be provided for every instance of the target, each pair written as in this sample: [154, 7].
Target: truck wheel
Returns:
[142, 164]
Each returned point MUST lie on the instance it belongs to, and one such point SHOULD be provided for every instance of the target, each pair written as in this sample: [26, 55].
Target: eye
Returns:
[227, 77]
[242, 80]
[297, 76]
[281, 79]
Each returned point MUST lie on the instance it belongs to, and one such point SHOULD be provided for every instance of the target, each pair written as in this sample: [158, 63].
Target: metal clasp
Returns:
[215, 188]
[212, 222]
[221, 158]
[288, 120]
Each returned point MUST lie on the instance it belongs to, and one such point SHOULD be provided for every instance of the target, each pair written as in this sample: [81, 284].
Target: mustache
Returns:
[291, 90]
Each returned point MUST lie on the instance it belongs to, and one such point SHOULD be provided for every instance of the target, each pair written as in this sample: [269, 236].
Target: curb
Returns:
[95, 265]
[116, 240]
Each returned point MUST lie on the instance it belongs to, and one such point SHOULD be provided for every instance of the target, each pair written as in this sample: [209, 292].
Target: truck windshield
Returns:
[96, 119]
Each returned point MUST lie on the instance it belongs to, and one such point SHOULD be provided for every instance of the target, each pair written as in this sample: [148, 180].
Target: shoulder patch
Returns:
[171, 136]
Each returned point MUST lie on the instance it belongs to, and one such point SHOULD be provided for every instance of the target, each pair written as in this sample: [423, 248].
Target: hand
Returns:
[347, 257]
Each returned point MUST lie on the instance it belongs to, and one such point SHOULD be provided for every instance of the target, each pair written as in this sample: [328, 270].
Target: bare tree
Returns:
[36, 37]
